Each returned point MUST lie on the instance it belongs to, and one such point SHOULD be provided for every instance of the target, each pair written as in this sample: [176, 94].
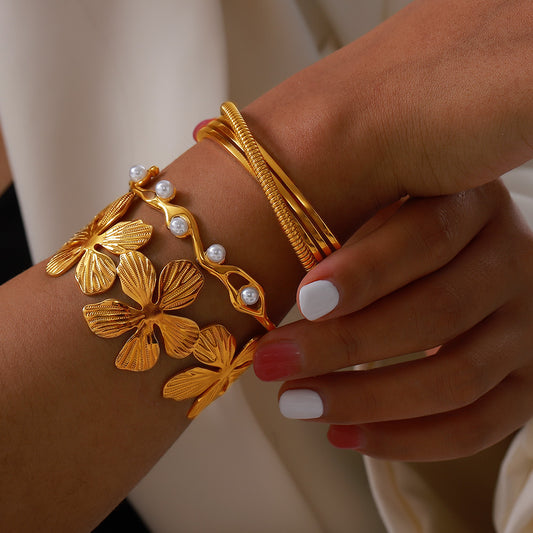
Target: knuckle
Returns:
[437, 235]
[474, 435]
[465, 384]
[370, 405]
[519, 258]
[370, 265]
[346, 341]
[444, 305]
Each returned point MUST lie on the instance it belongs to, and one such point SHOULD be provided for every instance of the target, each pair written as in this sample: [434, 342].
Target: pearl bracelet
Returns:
[179, 284]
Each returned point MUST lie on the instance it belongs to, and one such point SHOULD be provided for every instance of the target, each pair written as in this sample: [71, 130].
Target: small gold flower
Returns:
[96, 271]
[179, 285]
[215, 348]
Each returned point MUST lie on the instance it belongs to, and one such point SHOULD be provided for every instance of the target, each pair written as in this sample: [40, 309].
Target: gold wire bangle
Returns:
[320, 239]
[229, 142]
[226, 274]
[307, 233]
[266, 180]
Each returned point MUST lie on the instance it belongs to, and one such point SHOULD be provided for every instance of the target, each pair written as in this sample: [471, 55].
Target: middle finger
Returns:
[424, 314]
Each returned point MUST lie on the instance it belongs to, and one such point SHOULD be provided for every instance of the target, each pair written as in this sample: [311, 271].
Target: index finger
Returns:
[421, 237]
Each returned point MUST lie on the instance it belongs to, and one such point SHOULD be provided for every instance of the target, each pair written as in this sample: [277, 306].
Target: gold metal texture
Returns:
[216, 349]
[219, 132]
[96, 271]
[226, 274]
[317, 236]
[179, 284]
[266, 180]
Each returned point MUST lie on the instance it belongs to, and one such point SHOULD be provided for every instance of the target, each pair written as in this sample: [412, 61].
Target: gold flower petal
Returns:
[73, 249]
[209, 396]
[199, 382]
[137, 277]
[65, 258]
[246, 355]
[95, 272]
[179, 334]
[111, 318]
[189, 383]
[140, 352]
[236, 373]
[179, 284]
[113, 212]
[241, 363]
[215, 346]
[125, 236]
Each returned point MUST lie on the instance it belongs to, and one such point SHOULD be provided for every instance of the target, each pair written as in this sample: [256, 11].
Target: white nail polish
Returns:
[317, 299]
[301, 404]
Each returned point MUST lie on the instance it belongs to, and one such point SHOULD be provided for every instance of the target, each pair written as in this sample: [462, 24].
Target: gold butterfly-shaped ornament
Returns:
[216, 349]
[96, 271]
[179, 284]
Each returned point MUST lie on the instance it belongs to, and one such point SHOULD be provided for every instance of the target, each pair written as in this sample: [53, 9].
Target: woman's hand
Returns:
[451, 271]
[434, 101]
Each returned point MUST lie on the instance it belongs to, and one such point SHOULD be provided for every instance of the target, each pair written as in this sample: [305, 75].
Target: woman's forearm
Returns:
[78, 433]
[380, 118]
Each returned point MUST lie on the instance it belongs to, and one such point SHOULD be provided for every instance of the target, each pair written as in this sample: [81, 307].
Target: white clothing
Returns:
[89, 88]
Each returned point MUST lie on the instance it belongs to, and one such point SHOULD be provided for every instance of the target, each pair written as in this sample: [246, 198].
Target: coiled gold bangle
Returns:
[307, 233]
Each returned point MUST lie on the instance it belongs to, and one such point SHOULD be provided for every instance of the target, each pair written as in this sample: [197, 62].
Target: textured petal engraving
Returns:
[246, 355]
[99, 280]
[215, 346]
[210, 395]
[140, 352]
[179, 284]
[95, 272]
[111, 318]
[236, 373]
[65, 258]
[81, 237]
[137, 277]
[110, 214]
[126, 236]
[189, 383]
[179, 334]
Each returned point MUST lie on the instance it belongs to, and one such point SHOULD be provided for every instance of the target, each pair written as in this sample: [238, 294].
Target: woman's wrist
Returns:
[327, 141]
[230, 210]
[410, 108]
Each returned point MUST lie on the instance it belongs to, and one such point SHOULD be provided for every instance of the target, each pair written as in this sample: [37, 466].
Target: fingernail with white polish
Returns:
[301, 404]
[317, 299]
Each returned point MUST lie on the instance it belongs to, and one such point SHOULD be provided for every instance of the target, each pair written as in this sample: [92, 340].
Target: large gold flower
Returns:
[179, 285]
[96, 271]
[215, 348]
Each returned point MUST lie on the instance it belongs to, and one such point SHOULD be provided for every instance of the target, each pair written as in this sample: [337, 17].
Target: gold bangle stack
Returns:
[180, 281]
[309, 236]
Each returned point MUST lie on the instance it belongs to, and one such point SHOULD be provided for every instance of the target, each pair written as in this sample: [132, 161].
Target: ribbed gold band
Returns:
[307, 233]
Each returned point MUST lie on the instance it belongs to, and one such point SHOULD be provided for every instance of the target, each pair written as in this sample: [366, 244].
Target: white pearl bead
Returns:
[178, 226]
[249, 295]
[216, 253]
[137, 172]
[164, 189]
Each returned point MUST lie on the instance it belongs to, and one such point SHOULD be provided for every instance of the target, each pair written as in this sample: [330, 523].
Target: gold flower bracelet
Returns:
[180, 281]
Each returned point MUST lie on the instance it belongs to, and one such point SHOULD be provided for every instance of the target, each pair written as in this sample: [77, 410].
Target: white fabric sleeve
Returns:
[90, 88]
